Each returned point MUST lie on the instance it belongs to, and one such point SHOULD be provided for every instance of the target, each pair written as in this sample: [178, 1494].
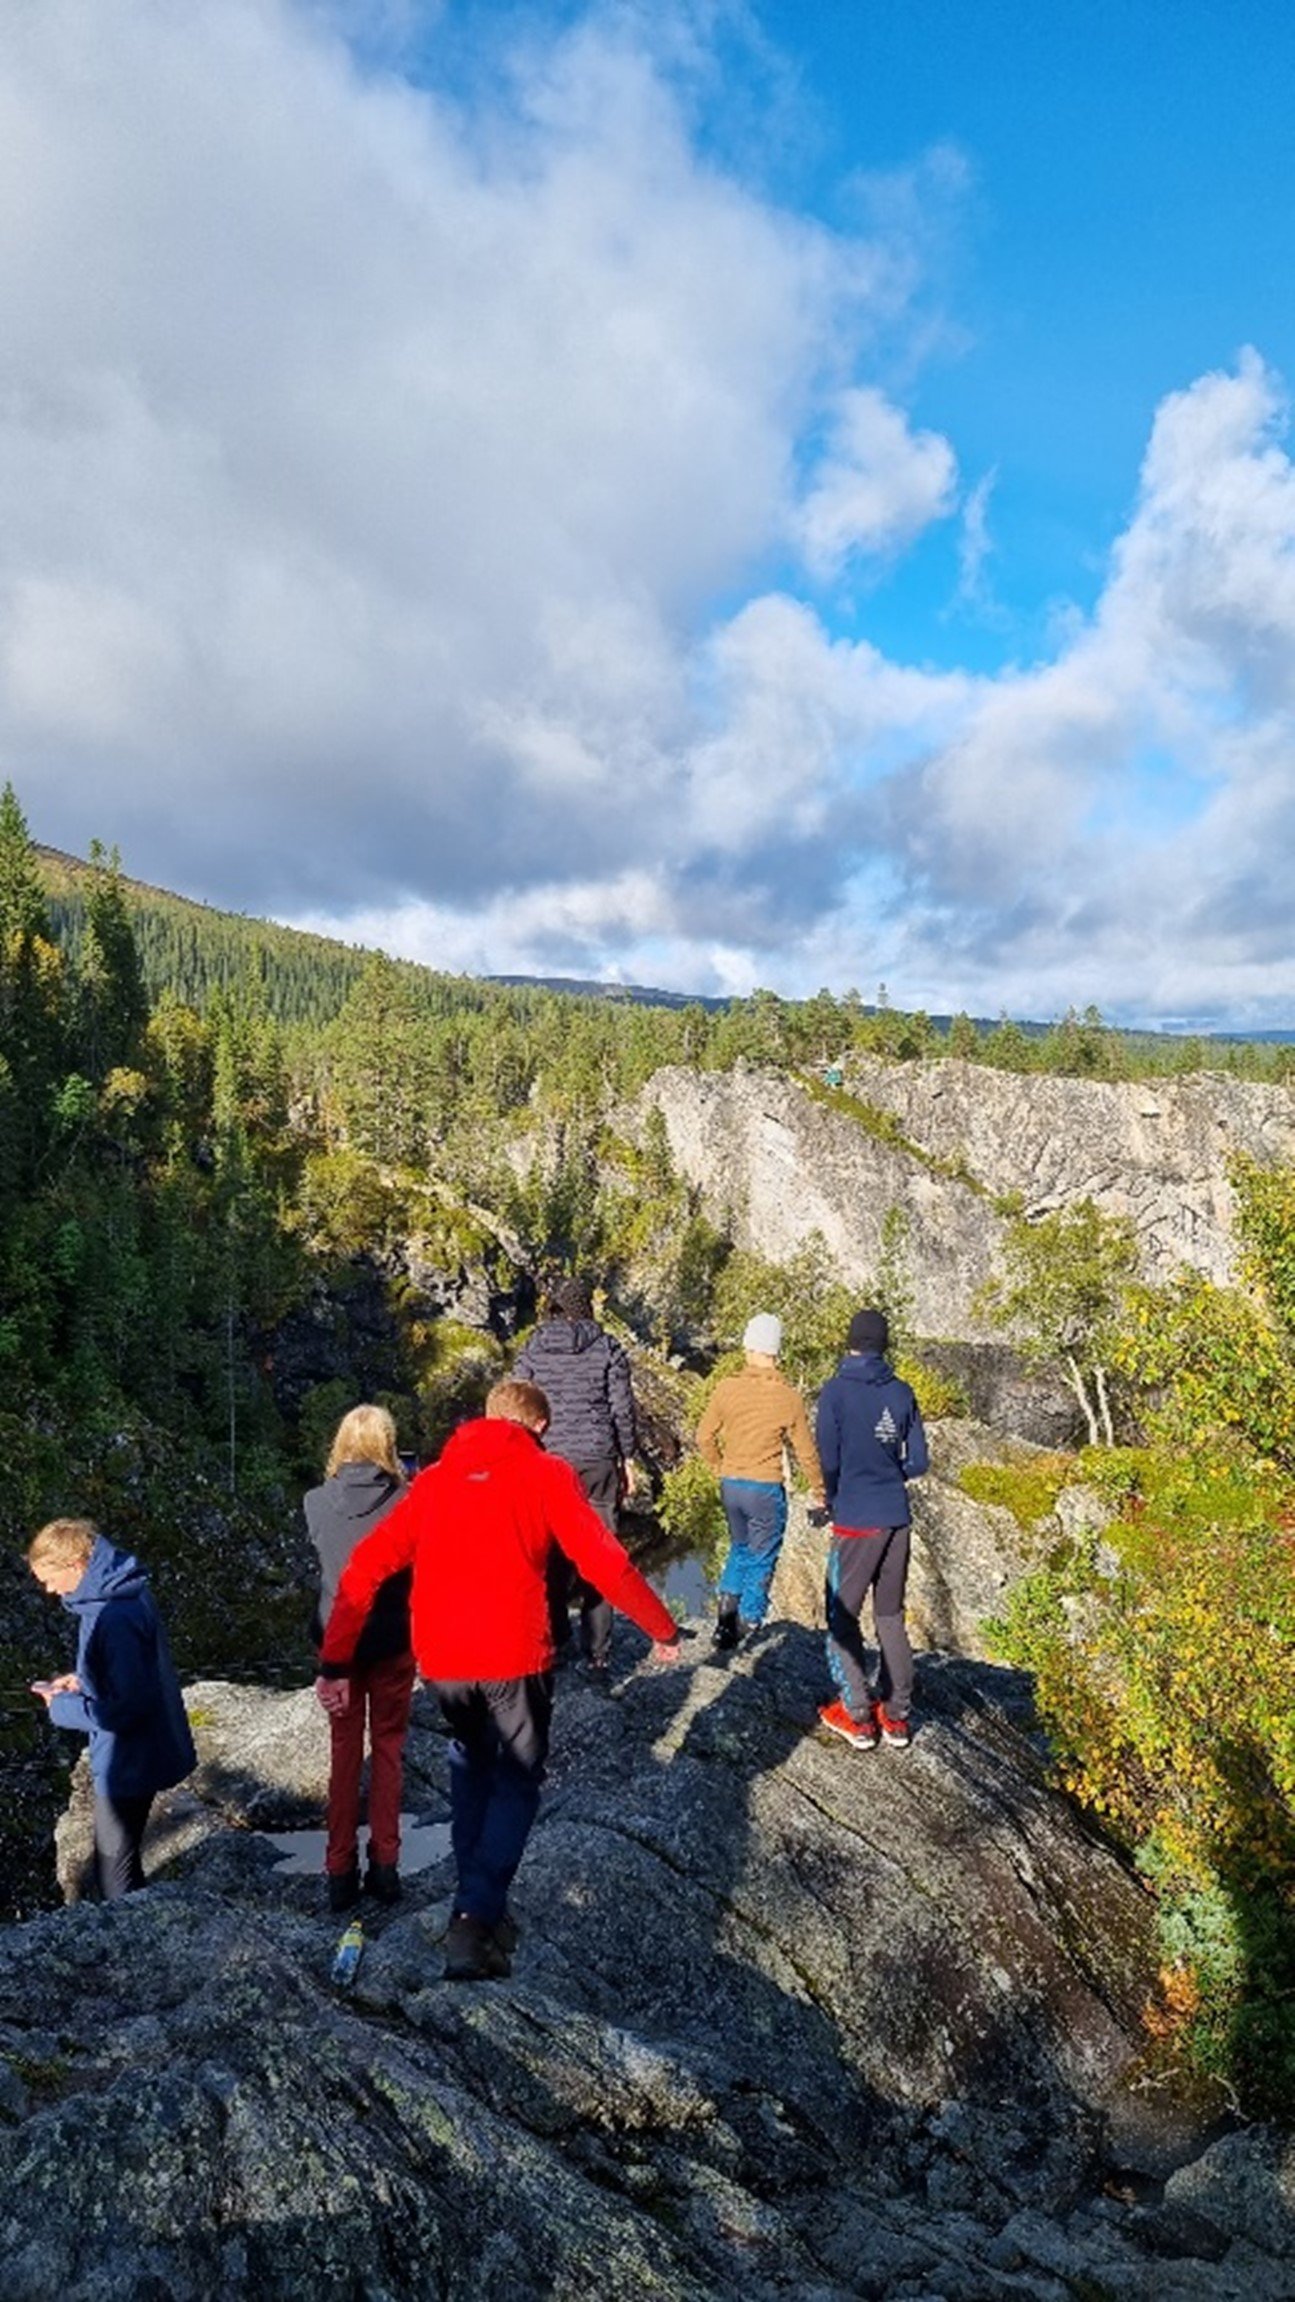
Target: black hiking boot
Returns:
[382, 1881]
[727, 1631]
[343, 1889]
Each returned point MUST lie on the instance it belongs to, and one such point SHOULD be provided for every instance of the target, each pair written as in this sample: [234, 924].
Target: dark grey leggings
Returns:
[601, 1483]
[119, 1825]
[857, 1564]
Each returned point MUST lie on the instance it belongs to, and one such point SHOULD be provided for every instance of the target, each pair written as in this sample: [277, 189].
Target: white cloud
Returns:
[976, 549]
[371, 464]
[1114, 824]
[361, 448]
[879, 485]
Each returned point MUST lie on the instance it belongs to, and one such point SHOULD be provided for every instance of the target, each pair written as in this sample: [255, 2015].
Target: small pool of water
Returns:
[684, 1579]
[302, 1851]
[685, 1585]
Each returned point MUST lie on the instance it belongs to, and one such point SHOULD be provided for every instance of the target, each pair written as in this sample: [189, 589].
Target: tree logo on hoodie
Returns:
[887, 1430]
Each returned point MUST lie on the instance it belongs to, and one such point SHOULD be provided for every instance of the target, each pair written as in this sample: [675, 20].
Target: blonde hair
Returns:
[63, 1543]
[514, 1401]
[366, 1435]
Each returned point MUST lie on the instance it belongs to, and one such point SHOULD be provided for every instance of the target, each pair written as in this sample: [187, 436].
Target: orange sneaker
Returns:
[838, 1720]
[897, 1732]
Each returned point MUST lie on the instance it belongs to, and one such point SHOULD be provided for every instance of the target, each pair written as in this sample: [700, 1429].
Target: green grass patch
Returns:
[1028, 1489]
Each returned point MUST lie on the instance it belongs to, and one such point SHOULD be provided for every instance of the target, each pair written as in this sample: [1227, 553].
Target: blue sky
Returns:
[705, 493]
[1128, 226]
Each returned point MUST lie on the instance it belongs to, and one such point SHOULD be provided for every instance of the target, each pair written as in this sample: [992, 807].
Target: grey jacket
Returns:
[338, 1516]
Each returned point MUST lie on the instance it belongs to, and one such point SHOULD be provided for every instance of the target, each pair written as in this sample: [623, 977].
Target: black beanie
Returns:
[868, 1332]
[571, 1299]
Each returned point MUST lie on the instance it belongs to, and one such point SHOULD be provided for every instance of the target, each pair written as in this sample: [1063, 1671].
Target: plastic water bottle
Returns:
[346, 1958]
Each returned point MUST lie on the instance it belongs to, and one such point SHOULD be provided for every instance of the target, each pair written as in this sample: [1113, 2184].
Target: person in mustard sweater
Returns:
[751, 1419]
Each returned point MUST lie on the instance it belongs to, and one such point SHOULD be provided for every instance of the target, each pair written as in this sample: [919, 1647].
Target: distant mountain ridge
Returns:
[633, 994]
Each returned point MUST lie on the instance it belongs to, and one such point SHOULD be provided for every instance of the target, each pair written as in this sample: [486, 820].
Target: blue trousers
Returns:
[501, 1741]
[756, 1510]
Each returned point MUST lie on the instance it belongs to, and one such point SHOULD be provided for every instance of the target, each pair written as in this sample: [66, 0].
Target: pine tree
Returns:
[24, 912]
[32, 1011]
[112, 1004]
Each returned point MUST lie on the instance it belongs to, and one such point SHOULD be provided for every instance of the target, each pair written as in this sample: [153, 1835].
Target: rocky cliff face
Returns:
[784, 2020]
[787, 1165]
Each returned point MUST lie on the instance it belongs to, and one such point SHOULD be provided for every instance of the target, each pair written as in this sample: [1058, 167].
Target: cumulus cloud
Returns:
[360, 451]
[880, 484]
[372, 459]
[1117, 814]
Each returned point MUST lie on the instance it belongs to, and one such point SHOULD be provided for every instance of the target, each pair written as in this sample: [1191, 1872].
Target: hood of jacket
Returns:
[566, 1338]
[866, 1367]
[476, 1448]
[109, 1574]
[365, 1484]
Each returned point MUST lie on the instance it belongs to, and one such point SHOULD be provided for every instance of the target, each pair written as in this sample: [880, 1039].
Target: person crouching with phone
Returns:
[123, 1694]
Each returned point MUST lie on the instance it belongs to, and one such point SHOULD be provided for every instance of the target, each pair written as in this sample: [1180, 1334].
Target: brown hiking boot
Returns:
[472, 1953]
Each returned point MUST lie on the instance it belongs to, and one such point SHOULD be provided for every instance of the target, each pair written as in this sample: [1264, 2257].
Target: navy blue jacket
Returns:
[870, 1441]
[130, 1703]
[338, 1516]
[585, 1376]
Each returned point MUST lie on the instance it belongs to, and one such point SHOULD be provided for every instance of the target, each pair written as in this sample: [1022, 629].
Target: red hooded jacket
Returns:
[477, 1529]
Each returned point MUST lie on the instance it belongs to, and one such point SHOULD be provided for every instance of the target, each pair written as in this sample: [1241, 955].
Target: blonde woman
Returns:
[362, 1481]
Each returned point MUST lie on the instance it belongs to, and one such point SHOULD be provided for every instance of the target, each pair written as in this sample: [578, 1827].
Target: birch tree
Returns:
[1060, 1292]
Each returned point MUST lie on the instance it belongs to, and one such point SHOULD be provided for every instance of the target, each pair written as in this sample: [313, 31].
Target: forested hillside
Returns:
[193, 953]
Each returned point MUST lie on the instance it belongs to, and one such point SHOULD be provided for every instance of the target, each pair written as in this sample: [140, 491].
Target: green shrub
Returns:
[937, 1394]
[1166, 1692]
[814, 1307]
[690, 1510]
[1209, 1361]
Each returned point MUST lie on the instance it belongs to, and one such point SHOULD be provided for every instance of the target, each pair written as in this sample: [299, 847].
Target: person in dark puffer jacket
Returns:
[585, 1376]
[870, 1443]
[362, 1483]
[123, 1694]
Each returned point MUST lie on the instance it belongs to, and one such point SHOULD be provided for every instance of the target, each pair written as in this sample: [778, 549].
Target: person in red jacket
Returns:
[477, 1528]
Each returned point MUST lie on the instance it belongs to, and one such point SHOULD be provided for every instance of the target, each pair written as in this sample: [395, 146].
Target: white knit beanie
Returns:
[763, 1333]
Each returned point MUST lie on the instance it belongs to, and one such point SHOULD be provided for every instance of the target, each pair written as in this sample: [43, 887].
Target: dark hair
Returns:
[571, 1299]
[869, 1331]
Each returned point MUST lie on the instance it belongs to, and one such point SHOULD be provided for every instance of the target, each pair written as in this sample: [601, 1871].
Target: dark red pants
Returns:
[380, 1700]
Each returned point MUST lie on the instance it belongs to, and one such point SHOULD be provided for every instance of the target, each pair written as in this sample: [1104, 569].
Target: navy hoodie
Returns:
[870, 1441]
[130, 1703]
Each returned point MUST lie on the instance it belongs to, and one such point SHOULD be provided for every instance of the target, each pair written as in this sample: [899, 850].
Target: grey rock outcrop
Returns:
[954, 1141]
[783, 2021]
